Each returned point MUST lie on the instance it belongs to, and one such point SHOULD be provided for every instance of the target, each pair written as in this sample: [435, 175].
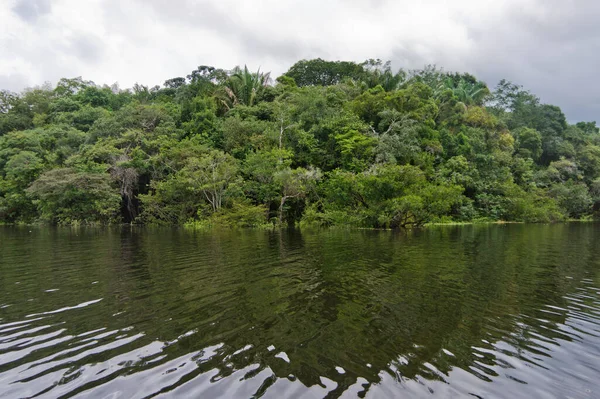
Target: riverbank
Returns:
[199, 225]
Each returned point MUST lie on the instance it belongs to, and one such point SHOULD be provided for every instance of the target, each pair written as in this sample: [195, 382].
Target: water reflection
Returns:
[493, 311]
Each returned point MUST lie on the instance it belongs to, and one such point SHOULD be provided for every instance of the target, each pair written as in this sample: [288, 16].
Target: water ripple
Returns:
[511, 311]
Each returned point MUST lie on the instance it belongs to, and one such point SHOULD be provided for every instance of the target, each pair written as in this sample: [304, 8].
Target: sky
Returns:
[551, 47]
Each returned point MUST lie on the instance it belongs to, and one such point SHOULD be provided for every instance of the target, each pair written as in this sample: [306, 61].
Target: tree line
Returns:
[328, 143]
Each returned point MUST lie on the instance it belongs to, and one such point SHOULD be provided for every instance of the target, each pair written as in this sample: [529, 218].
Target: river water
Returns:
[505, 311]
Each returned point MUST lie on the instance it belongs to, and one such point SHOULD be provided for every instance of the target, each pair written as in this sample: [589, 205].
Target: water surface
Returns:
[481, 311]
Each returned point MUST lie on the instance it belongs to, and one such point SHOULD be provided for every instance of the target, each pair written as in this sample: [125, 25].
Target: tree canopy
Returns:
[327, 143]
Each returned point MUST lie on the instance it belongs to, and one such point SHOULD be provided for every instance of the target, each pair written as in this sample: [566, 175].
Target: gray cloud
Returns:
[30, 10]
[553, 50]
[552, 47]
[230, 25]
[86, 47]
[13, 82]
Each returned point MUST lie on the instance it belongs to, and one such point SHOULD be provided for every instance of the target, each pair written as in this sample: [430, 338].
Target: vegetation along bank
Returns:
[326, 144]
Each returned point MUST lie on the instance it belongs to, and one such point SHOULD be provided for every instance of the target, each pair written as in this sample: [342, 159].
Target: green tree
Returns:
[588, 160]
[260, 169]
[15, 113]
[528, 143]
[295, 183]
[211, 175]
[225, 148]
[397, 138]
[318, 72]
[66, 196]
[378, 73]
[573, 197]
[243, 87]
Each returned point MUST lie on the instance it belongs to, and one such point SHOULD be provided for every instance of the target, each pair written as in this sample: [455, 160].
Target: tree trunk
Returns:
[281, 136]
[267, 210]
[283, 199]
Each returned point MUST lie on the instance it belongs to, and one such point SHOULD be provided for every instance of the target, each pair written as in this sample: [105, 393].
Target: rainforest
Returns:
[328, 143]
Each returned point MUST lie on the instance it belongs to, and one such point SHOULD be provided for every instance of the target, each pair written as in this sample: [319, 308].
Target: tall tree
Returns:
[244, 87]
[318, 72]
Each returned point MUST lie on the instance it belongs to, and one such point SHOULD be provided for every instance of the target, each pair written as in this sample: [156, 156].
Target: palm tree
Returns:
[466, 92]
[471, 93]
[376, 72]
[243, 87]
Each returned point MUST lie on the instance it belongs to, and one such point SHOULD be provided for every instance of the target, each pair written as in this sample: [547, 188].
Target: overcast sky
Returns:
[552, 47]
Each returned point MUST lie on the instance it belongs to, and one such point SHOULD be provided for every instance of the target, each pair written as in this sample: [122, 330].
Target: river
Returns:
[501, 311]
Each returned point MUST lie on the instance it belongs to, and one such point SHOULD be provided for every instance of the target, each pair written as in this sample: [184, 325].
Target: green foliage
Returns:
[169, 201]
[573, 197]
[15, 113]
[260, 170]
[532, 206]
[588, 159]
[330, 143]
[398, 141]
[528, 143]
[319, 72]
[66, 196]
[203, 185]
[384, 196]
[240, 135]
[243, 87]
[295, 184]
[239, 215]
[378, 73]
[203, 119]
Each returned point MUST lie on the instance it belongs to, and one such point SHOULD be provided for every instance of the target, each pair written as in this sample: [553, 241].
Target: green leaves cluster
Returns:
[329, 143]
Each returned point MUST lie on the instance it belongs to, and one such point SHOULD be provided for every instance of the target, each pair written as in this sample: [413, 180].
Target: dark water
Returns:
[485, 312]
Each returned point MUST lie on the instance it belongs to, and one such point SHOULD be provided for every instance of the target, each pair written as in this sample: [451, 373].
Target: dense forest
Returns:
[325, 144]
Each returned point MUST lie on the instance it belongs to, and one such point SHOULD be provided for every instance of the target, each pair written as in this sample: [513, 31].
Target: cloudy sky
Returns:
[552, 47]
